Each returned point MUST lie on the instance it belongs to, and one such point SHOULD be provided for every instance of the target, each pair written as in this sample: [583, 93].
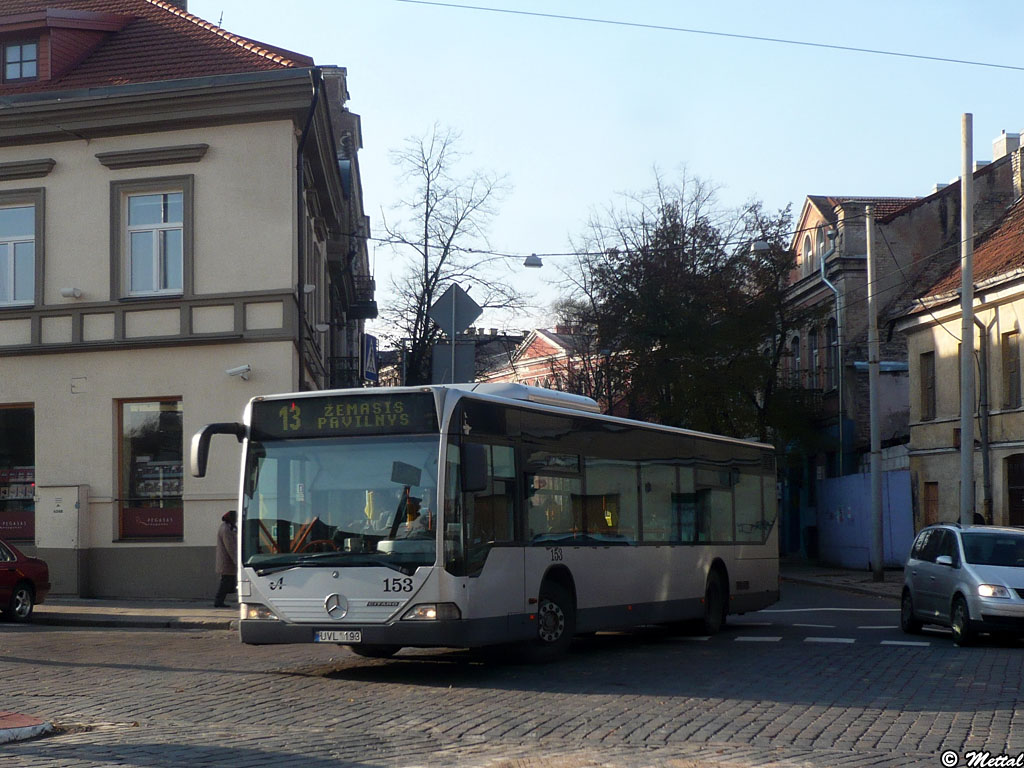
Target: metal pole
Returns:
[967, 324]
[877, 551]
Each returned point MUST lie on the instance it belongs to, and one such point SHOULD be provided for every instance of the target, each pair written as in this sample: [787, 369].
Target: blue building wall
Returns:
[844, 520]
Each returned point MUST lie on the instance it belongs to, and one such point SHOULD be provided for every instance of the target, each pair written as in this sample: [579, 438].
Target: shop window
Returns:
[17, 473]
[151, 462]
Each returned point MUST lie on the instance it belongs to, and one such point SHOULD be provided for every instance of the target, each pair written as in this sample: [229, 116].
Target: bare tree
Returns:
[442, 240]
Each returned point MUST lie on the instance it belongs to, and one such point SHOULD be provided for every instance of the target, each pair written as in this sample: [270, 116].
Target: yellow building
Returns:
[933, 331]
[181, 228]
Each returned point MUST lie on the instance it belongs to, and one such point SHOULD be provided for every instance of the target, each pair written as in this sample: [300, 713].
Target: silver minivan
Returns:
[969, 579]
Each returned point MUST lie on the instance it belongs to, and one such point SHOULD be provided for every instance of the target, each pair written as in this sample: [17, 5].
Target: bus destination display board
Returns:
[351, 415]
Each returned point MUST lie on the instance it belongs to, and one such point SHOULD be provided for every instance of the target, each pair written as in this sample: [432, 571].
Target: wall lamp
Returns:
[71, 293]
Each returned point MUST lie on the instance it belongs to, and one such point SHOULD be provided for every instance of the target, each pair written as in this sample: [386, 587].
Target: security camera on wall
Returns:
[242, 370]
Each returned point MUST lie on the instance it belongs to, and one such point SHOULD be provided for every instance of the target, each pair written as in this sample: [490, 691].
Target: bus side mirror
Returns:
[474, 467]
[200, 450]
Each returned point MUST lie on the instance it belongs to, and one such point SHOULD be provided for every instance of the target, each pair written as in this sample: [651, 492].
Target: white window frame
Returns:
[157, 257]
[32, 198]
[122, 230]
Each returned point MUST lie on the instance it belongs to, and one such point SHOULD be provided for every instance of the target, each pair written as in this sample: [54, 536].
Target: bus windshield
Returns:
[340, 501]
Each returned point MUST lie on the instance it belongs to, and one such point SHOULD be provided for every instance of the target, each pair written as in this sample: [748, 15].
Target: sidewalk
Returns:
[802, 572]
[194, 614]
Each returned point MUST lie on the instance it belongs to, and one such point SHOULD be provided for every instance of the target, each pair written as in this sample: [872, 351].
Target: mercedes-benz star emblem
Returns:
[336, 606]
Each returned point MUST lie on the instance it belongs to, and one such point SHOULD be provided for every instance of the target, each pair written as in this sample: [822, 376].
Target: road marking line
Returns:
[836, 610]
[816, 626]
[757, 639]
[844, 640]
[906, 642]
[702, 637]
[880, 626]
[752, 623]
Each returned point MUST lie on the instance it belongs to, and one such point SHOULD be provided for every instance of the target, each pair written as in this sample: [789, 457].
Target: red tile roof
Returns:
[884, 206]
[1000, 252]
[160, 42]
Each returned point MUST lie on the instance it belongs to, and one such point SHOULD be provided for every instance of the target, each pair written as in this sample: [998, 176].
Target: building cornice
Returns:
[139, 158]
[171, 104]
[26, 169]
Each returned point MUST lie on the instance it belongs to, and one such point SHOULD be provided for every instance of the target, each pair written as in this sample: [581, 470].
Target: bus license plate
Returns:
[334, 636]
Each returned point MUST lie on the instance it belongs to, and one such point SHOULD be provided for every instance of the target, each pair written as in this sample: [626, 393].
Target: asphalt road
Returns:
[823, 678]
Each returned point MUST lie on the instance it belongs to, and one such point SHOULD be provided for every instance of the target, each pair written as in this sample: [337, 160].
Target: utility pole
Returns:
[967, 324]
[877, 545]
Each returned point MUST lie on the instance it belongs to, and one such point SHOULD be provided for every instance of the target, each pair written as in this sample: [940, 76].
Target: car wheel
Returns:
[22, 602]
[909, 623]
[963, 634]
[715, 604]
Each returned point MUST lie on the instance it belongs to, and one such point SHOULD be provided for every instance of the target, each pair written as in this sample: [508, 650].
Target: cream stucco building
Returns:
[181, 228]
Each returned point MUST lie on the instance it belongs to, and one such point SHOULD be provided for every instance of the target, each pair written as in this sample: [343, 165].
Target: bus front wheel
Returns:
[715, 603]
[556, 623]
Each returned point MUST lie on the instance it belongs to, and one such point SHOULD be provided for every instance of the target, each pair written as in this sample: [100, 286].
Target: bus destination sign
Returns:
[334, 416]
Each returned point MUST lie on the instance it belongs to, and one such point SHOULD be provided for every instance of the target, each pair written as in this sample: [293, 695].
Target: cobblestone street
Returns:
[199, 698]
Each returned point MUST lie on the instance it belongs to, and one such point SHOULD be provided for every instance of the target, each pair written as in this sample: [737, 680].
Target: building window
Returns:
[151, 462]
[17, 473]
[927, 374]
[813, 359]
[821, 242]
[1011, 370]
[808, 255]
[152, 237]
[20, 252]
[794, 373]
[21, 61]
[832, 353]
[931, 503]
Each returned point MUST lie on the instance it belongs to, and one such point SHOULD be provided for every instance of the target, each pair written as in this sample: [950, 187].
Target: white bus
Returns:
[473, 515]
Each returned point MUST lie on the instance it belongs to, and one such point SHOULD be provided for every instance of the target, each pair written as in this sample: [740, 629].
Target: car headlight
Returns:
[257, 611]
[993, 590]
[433, 612]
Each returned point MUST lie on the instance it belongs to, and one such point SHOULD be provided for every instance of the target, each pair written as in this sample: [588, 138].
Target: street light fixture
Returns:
[533, 262]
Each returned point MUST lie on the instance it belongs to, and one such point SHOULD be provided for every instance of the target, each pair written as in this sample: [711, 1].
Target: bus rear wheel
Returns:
[375, 651]
[556, 623]
[716, 603]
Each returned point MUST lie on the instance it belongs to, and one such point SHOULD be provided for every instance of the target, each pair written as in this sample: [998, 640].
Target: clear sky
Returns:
[577, 113]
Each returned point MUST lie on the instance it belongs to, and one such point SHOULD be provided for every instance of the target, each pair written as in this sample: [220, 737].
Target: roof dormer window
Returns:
[21, 60]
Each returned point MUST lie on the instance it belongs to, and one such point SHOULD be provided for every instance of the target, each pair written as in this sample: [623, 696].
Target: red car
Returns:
[24, 582]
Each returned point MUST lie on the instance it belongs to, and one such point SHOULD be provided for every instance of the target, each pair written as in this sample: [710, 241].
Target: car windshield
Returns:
[340, 501]
[994, 548]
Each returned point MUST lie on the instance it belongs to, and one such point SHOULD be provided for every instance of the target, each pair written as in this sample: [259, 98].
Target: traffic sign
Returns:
[370, 357]
[455, 311]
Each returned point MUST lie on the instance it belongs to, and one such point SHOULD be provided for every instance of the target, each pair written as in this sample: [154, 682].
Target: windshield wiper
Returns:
[342, 559]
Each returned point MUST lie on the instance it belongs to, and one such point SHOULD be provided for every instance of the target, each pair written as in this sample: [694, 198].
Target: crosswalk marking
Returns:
[844, 640]
[816, 626]
[879, 626]
[757, 639]
[913, 643]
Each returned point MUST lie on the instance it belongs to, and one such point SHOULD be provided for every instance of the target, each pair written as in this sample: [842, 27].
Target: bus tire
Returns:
[375, 651]
[716, 603]
[556, 623]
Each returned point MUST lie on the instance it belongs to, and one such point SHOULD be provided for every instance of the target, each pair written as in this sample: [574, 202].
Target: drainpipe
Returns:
[986, 468]
[839, 338]
[300, 181]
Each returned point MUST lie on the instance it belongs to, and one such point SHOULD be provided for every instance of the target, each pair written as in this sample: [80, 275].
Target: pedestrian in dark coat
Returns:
[227, 539]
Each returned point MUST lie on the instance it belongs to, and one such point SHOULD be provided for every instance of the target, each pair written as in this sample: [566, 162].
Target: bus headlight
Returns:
[257, 611]
[993, 590]
[433, 612]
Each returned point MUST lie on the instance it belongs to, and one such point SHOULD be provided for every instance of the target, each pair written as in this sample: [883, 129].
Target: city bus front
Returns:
[339, 527]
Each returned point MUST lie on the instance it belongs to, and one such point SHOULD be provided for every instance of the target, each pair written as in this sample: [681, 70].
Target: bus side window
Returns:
[489, 512]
